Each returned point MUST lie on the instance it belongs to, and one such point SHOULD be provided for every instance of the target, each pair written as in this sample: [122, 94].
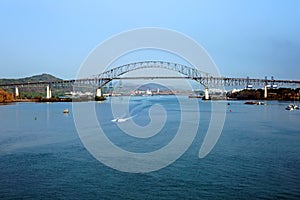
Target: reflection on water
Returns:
[257, 155]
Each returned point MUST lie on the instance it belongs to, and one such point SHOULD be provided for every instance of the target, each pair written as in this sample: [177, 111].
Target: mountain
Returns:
[36, 78]
[33, 92]
[153, 86]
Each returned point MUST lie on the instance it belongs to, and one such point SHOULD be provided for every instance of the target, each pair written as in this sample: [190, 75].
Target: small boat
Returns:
[250, 102]
[119, 120]
[289, 107]
[260, 103]
[66, 111]
[292, 107]
[255, 103]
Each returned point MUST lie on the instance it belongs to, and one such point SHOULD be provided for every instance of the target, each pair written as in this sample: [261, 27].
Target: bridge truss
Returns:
[185, 72]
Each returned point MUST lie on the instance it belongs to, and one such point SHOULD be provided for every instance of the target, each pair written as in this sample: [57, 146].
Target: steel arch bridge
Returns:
[204, 78]
[186, 72]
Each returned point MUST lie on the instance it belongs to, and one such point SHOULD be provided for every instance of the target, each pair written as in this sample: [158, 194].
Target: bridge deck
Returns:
[220, 81]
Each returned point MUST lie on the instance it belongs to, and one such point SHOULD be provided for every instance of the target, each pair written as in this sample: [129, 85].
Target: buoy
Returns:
[230, 110]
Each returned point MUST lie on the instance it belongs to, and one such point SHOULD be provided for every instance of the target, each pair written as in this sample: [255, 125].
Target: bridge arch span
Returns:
[114, 73]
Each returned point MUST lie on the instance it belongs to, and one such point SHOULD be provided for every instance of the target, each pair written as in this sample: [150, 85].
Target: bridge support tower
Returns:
[266, 88]
[17, 92]
[98, 92]
[48, 92]
[206, 94]
[266, 91]
[99, 96]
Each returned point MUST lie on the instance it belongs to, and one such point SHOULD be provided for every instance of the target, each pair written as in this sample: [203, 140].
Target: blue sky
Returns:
[244, 38]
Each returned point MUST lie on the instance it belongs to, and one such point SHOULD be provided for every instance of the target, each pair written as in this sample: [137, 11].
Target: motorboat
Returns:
[292, 107]
[117, 120]
[254, 103]
[250, 102]
[260, 103]
[66, 111]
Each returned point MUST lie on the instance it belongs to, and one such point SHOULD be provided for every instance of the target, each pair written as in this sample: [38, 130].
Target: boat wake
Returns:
[118, 120]
[136, 110]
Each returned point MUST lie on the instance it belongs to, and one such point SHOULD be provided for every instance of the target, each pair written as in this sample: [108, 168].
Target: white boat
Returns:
[260, 103]
[117, 120]
[66, 111]
[292, 107]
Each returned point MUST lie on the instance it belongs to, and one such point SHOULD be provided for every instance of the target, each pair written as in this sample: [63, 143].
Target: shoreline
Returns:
[44, 100]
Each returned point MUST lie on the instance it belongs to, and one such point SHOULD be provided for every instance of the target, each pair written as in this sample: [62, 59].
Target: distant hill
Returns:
[32, 92]
[153, 86]
[36, 78]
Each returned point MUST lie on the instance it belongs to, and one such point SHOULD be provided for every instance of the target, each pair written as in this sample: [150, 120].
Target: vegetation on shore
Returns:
[6, 97]
[286, 94]
[37, 91]
[53, 99]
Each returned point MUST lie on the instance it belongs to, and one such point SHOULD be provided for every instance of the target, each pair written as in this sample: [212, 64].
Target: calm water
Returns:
[257, 155]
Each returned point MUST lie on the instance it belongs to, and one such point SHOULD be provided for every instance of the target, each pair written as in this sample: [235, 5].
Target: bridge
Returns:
[185, 72]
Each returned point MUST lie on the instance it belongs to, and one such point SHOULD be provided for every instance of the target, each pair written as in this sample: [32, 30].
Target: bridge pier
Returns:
[266, 91]
[16, 91]
[98, 92]
[99, 96]
[48, 92]
[206, 94]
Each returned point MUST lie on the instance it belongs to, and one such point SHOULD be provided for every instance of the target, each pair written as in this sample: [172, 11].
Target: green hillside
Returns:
[36, 78]
[38, 90]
